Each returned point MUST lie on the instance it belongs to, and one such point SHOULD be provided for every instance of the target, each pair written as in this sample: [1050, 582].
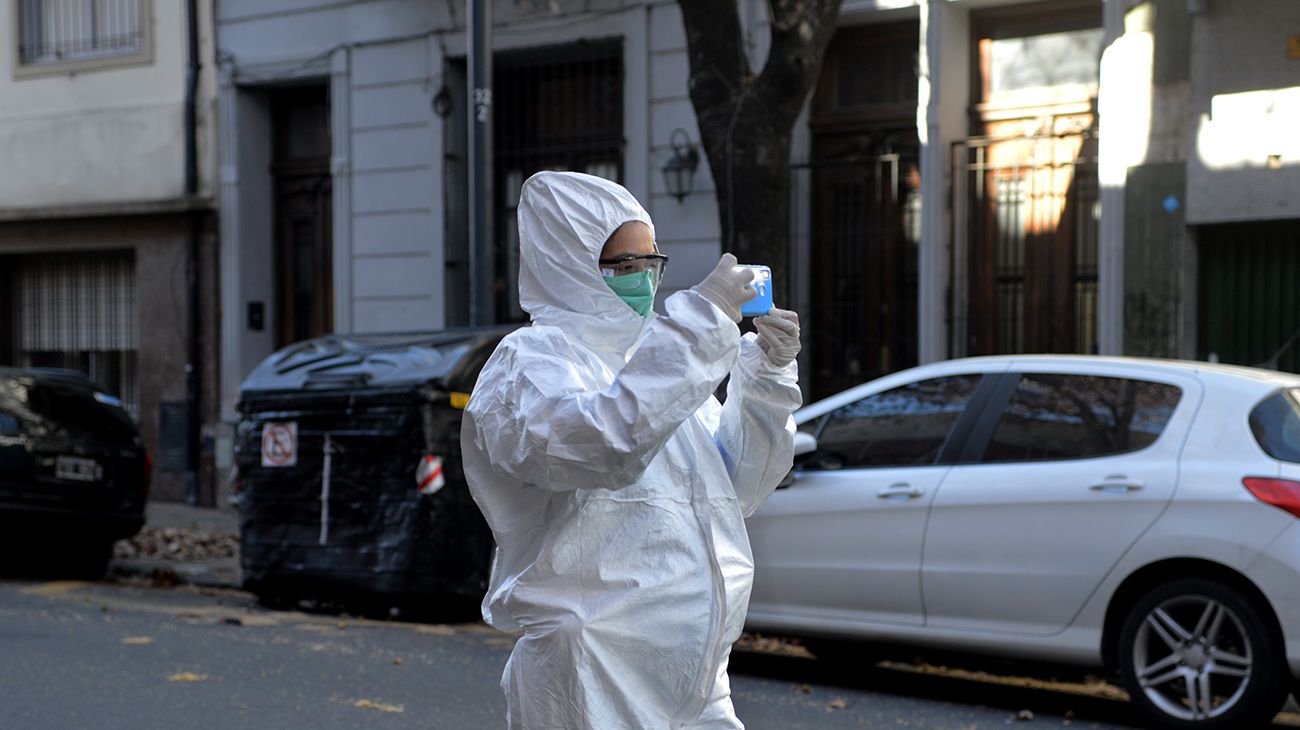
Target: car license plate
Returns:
[77, 469]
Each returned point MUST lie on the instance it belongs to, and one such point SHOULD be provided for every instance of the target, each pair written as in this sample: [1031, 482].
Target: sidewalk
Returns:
[183, 544]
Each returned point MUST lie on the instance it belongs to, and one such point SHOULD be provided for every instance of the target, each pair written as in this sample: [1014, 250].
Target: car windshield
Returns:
[63, 410]
[1276, 425]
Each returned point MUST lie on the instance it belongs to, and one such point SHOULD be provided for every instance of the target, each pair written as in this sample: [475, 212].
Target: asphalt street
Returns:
[127, 655]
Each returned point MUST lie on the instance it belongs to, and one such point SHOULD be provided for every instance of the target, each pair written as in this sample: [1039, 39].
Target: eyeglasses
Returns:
[635, 264]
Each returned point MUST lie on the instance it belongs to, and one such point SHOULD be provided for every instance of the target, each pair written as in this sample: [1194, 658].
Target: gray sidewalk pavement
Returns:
[183, 543]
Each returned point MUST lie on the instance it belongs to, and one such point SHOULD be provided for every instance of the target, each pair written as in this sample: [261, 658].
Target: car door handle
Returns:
[902, 489]
[1117, 483]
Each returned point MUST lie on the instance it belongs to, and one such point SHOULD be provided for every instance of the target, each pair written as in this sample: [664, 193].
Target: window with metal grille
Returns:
[75, 311]
[53, 31]
[1030, 217]
[557, 108]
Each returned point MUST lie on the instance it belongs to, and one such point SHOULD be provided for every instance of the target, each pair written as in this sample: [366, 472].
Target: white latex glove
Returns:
[728, 287]
[778, 335]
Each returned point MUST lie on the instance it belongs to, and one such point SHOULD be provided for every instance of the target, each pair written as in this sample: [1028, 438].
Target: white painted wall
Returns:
[942, 101]
[383, 60]
[396, 181]
[1245, 106]
[1124, 126]
[105, 135]
[263, 33]
[686, 230]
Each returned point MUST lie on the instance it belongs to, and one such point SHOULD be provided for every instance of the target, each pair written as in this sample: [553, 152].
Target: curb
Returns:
[220, 573]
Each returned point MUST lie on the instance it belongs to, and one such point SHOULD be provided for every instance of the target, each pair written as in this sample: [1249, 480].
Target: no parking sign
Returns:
[280, 443]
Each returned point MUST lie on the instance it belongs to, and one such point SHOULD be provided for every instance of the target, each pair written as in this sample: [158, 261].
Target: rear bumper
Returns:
[67, 524]
[1277, 573]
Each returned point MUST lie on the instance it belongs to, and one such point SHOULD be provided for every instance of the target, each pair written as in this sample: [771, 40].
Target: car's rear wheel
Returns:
[1197, 653]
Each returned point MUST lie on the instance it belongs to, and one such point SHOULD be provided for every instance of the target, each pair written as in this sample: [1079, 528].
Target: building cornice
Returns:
[109, 209]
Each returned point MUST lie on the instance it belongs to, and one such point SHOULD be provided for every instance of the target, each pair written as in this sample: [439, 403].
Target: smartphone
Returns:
[758, 306]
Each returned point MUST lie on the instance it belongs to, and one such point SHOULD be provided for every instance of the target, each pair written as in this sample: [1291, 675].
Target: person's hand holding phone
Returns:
[728, 287]
[778, 336]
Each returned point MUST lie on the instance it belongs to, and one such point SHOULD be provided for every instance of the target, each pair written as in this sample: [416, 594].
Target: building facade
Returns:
[970, 176]
[343, 155]
[107, 182]
[1113, 177]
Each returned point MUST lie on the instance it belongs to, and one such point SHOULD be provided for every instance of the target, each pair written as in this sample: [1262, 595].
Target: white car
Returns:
[1127, 513]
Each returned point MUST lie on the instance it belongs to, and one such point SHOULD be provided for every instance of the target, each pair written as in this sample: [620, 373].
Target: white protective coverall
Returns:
[614, 482]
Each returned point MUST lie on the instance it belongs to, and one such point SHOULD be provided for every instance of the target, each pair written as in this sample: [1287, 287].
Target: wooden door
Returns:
[303, 220]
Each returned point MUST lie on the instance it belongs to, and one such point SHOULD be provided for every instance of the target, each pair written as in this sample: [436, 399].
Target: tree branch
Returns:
[801, 30]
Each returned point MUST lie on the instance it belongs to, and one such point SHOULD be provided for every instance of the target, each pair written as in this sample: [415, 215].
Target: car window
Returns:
[52, 409]
[1276, 425]
[905, 426]
[1054, 416]
[69, 412]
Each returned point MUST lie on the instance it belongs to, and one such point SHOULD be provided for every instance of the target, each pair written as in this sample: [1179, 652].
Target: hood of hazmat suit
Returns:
[615, 484]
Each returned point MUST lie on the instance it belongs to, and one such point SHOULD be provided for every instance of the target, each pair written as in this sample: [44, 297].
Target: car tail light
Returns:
[1281, 493]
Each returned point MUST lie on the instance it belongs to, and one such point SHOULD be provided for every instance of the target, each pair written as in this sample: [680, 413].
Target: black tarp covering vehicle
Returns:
[338, 448]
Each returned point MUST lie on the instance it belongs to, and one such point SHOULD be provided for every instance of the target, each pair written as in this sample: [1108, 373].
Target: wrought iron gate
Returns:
[1025, 218]
[863, 218]
[565, 112]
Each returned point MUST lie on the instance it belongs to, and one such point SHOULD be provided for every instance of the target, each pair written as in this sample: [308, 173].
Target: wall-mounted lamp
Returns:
[442, 101]
[679, 172]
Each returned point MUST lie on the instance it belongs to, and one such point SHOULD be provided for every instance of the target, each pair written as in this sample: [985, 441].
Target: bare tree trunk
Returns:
[746, 120]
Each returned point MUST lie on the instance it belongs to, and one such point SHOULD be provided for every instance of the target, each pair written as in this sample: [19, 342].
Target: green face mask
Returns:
[638, 290]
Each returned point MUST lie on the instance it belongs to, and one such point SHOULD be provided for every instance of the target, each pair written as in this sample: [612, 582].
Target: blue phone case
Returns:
[759, 305]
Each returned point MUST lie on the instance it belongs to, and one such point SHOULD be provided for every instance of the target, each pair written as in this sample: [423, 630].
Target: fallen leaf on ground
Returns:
[838, 703]
[371, 705]
[182, 544]
[138, 640]
[187, 677]
[397, 660]
[778, 645]
[804, 689]
[53, 588]
[164, 577]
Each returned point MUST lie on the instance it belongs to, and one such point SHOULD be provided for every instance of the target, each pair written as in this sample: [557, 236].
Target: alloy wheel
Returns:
[1192, 657]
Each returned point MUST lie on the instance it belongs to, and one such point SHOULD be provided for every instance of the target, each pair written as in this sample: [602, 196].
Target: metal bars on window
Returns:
[859, 216]
[560, 108]
[71, 30]
[77, 311]
[80, 303]
[1025, 244]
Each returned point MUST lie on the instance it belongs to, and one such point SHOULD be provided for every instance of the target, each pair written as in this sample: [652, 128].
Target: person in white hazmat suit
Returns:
[613, 481]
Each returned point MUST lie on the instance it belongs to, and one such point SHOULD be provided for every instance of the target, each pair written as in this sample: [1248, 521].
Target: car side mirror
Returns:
[804, 443]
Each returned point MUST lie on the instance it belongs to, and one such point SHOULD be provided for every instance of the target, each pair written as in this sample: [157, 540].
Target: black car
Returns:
[74, 474]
